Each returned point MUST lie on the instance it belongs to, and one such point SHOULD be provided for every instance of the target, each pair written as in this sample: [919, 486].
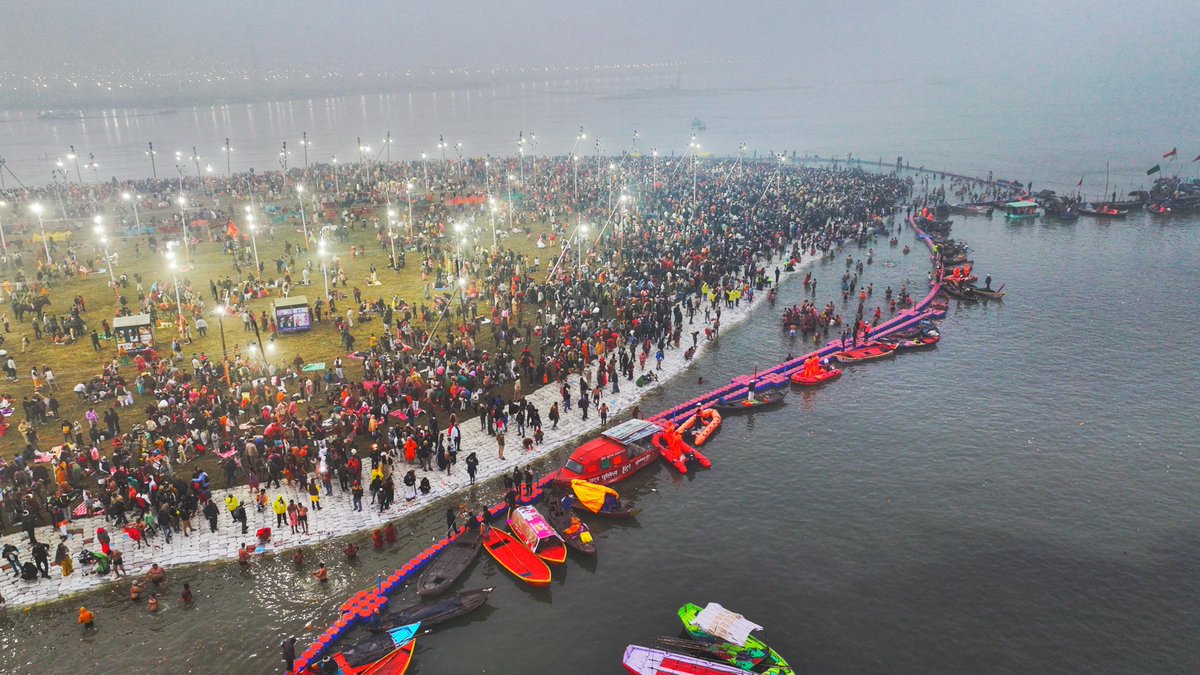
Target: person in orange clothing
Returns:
[86, 618]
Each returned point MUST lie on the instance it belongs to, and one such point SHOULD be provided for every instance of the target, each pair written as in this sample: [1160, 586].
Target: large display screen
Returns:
[293, 319]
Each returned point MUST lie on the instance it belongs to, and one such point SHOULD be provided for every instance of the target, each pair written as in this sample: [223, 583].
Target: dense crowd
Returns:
[653, 270]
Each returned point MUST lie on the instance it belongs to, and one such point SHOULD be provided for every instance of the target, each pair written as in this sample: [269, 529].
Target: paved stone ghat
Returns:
[367, 603]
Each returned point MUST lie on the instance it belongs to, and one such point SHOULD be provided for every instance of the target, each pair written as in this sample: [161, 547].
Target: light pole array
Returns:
[37, 209]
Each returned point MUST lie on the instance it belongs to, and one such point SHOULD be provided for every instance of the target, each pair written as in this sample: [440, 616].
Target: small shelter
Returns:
[134, 334]
[293, 315]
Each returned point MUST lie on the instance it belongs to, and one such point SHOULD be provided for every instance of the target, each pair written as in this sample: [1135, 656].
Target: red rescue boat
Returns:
[867, 352]
[819, 378]
[616, 455]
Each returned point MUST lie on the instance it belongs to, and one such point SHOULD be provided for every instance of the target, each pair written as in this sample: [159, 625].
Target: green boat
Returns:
[1021, 210]
[714, 624]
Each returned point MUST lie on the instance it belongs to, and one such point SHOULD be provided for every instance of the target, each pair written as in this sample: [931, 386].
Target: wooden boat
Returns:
[960, 292]
[570, 528]
[1021, 210]
[433, 612]
[387, 653]
[646, 661]
[530, 527]
[620, 451]
[449, 564]
[715, 624]
[1065, 214]
[972, 209]
[512, 555]
[985, 293]
[1103, 212]
[754, 402]
[1125, 204]
[598, 499]
[865, 352]
[824, 376]
[908, 344]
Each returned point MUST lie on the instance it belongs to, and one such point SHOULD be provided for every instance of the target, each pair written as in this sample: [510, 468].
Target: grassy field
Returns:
[78, 362]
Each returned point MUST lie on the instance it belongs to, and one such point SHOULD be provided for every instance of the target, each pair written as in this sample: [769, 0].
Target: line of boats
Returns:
[1184, 198]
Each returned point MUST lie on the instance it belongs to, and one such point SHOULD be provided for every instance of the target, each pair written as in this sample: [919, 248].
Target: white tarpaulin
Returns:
[716, 620]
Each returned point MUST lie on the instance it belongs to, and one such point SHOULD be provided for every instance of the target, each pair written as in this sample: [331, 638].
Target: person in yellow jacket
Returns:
[231, 503]
[280, 508]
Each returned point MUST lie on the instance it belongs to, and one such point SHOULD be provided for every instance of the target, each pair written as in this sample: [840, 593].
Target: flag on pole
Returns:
[231, 229]
[1080, 183]
[1172, 153]
[1197, 159]
[1153, 170]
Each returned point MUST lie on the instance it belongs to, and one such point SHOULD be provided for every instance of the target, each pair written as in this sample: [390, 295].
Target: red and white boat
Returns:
[646, 661]
[615, 456]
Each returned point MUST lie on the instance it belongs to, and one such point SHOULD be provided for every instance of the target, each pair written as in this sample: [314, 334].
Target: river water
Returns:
[1020, 499]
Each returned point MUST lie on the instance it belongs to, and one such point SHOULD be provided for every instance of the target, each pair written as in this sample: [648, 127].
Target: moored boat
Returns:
[618, 453]
[715, 624]
[907, 344]
[1103, 212]
[598, 499]
[973, 209]
[449, 564]
[865, 352]
[647, 661]
[431, 613]
[1021, 210]
[814, 379]
[703, 424]
[678, 454]
[511, 554]
[389, 652]
[750, 403]
[530, 527]
[573, 530]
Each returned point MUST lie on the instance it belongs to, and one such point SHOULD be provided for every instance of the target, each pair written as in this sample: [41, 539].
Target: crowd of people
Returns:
[622, 281]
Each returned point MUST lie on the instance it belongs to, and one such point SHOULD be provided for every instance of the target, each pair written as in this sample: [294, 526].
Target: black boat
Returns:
[1066, 214]
[959, 292]
[985, 293]
[972, 209]
[570, 528]
[760, 400]
[431, 613]
[449, 564]
[1103, 212]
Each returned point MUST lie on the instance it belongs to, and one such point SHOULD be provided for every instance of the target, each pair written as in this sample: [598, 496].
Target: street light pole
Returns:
[99, 230]
[175, 277]
[183, 217]
[136, 219]
[153, 167]
[227, 149]
[253, 239]
[219, 311]
[3, 242]
[75, 158]
[37, 209]
[303, 217]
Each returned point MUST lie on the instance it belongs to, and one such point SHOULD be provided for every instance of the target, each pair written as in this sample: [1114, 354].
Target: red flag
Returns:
[231, 230]
[1172, 153]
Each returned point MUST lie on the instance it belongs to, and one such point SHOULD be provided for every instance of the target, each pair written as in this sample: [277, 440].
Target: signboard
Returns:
[292, 315]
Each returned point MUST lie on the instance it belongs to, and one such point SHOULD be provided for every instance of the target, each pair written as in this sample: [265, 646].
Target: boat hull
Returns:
[864, 353]
[818, 379]
[449, 564]
[512, 555]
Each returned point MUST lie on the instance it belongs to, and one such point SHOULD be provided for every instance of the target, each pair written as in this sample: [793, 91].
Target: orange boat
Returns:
[530, 526]
[866, 352]
[709, 421]
[512, 555]
[820, 377]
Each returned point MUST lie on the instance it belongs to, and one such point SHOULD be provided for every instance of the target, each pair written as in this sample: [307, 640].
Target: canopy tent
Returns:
[716, 620]
[592, 495]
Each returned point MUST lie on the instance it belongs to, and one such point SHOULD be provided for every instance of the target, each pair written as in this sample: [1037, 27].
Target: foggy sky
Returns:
[1045, 41]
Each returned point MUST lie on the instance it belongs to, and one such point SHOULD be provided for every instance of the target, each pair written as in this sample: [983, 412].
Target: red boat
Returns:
[646, 661]
[615, 456]
[516, 558]
[672, 448]
[919, 342]
[813, 380]
[867, 352]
